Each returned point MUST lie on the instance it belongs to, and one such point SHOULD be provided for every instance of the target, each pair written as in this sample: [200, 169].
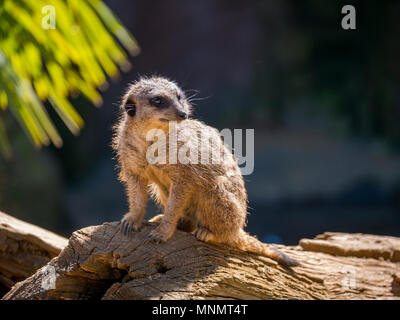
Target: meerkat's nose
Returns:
[182, 115]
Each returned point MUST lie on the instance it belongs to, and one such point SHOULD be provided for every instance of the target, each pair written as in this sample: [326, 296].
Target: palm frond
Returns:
[38, 64]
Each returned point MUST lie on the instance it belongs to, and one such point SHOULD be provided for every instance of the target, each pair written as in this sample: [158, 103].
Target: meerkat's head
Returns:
[155, 100]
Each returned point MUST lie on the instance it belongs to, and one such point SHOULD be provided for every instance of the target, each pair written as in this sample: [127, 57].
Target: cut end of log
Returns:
[24, 248]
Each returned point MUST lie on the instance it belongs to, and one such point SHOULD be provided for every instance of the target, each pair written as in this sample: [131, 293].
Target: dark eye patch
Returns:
[159, 102]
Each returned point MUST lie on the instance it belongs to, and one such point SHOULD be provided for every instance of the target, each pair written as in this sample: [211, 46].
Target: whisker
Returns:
[189, 90]
[193, 95]
[199, 99]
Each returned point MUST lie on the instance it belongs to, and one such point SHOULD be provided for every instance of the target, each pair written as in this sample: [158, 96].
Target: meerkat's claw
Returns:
[123, 227]
[129, 224]
[153, 238]
[126, 227]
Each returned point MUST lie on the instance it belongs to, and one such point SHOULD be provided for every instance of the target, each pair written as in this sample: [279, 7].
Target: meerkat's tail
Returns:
[250, 244]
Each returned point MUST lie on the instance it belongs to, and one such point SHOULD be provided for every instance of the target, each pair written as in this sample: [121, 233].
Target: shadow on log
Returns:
[99, 262]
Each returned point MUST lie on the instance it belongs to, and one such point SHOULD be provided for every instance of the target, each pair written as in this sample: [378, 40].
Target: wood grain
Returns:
[99, 262]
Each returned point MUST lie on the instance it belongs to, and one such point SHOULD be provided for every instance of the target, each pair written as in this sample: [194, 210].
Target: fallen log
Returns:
[24, 248]
[99, 262]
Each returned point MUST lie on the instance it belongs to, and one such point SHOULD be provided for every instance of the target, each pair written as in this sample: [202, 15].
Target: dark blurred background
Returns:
[324, 103]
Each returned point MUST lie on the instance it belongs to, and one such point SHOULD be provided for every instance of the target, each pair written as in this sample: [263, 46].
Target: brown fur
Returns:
[209, 199]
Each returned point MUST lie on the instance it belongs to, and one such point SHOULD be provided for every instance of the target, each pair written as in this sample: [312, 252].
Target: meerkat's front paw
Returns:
[129, 224]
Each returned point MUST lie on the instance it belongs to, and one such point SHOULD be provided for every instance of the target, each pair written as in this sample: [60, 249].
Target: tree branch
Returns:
[99, 262]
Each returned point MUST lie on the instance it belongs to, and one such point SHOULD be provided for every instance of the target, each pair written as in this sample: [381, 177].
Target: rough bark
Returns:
[24, 248]
[101, 263]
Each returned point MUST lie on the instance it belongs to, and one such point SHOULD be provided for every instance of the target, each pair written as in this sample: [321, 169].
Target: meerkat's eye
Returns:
[179, 96]
[158, 101]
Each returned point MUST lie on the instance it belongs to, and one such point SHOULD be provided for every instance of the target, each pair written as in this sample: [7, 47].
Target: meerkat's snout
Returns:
[181, 115]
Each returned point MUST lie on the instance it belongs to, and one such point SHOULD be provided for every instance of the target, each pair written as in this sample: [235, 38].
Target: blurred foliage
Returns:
[38, 64]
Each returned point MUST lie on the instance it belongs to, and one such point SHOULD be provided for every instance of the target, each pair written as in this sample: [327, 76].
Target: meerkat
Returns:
[206, 199]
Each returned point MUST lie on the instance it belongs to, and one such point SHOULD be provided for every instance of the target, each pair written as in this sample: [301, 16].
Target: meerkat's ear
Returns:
[130, 107]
